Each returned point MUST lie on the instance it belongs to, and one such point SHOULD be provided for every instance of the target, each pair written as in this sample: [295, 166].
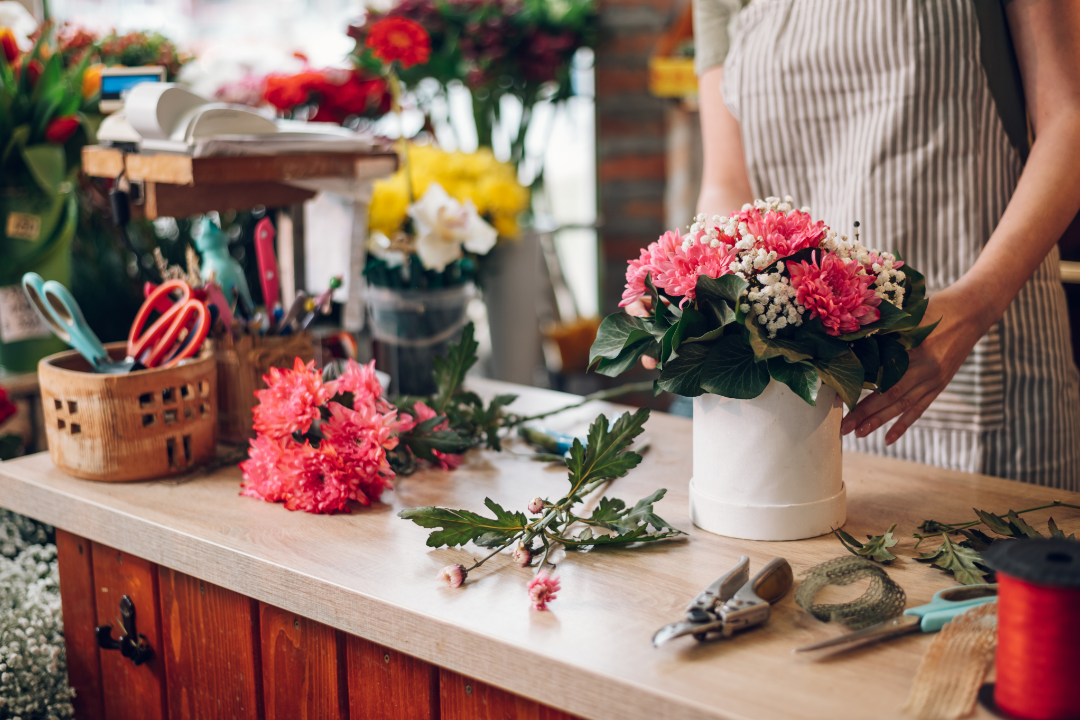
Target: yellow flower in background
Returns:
[91, 81]
[479, 177]
[389, 204]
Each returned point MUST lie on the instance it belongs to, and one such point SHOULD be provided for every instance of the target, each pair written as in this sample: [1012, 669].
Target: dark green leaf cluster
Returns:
[713, 345]
[604, 457]
[960, 557]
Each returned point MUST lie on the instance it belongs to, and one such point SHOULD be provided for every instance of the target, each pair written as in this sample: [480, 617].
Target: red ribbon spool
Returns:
[1038, 628]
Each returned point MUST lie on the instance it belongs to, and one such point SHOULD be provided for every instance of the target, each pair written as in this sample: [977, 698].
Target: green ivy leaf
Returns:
[875, 548]
[912, 339]
[616, 332]
[732, 370]
[626, 359]
[890, 316]
[801, 377]
[791, 349]
[961, 561]
[692, 323]
[682, 375]
[449, 371]
[824, 346]
[914, 287]
[461, 526]
[894, 362]
[721, 312]
[844, 375]
[717, 290]
[866, 350]
[915, 315]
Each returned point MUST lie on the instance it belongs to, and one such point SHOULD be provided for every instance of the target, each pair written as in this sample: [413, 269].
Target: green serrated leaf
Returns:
[607, 511]
[995, 522]
[457, 527]
[731, 370]
[642, 515]
[616, 332]
[801, 377]
[1021, 528]
[605, 455]
[875, 548]
[843, 374]
[424, 439]
[449, 371]
[976, 539]
[683, 374]
[1054, 530]
[958, 560]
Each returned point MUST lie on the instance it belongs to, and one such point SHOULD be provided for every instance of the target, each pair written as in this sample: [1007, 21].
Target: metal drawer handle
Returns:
[132, 644]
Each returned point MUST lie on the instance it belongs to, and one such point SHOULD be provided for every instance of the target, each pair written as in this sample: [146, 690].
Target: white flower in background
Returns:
[444, 226]
[382, 247]
[22, 24]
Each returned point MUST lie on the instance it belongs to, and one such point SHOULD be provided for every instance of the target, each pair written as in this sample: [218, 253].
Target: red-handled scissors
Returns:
[165, 343]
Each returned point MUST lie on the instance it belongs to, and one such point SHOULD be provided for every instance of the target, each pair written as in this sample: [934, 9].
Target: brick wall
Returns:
[630, 136]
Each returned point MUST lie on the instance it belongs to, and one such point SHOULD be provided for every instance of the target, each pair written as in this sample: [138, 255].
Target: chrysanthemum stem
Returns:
[600, 395]
[973, 523]
[493, 553]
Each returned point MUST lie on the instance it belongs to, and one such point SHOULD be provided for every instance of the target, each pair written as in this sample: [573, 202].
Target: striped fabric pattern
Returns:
[879, 111]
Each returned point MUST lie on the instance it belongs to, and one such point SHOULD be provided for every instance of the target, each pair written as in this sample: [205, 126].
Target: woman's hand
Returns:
[931, 365]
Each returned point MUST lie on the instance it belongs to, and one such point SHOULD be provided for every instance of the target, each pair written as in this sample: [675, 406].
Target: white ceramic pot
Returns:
[768, 468]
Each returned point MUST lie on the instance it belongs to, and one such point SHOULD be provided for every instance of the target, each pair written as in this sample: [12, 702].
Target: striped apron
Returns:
[879, 111]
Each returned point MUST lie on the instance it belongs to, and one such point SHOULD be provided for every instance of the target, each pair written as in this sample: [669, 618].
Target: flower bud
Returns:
[536, 506]
[453, 575]
[522, 555]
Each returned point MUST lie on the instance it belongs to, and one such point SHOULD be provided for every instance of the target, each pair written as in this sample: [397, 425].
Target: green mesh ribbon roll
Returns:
[882, 601]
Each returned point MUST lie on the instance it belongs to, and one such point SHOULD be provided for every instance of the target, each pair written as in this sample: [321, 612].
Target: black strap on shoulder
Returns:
[1003, 72]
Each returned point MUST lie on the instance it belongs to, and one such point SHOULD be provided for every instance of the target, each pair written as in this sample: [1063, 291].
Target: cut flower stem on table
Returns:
[604, 457]
[960, 557]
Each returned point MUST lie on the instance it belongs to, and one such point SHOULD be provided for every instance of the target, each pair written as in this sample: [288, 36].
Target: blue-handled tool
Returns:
[947, 605]
[62, 314]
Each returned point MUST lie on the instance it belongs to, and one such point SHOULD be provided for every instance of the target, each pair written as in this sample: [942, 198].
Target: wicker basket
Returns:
[144, 425]
[241, 365]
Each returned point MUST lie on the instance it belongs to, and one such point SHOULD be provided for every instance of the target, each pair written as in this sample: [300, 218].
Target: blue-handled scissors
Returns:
[947, 605]
[62, 314]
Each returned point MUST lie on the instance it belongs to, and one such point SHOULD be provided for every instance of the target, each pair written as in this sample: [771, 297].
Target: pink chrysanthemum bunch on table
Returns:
[765, 292]
[321, 444]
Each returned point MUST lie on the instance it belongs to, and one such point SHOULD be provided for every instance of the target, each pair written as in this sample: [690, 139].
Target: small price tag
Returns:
[18, 319]
[23, 226]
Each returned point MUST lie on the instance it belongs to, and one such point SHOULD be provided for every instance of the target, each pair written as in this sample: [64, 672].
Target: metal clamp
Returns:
[132, 644]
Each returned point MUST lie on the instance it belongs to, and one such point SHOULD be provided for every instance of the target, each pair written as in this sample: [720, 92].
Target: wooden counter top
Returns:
[370, 574]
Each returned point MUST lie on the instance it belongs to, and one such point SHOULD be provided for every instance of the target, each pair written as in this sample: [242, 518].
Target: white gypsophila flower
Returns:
[773, 301]
[444, 226]
[33, 664]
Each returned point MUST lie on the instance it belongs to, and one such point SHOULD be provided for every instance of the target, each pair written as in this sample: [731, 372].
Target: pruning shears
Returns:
[732, 602]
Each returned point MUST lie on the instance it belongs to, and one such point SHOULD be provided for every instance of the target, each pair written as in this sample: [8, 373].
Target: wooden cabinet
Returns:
[219, 655]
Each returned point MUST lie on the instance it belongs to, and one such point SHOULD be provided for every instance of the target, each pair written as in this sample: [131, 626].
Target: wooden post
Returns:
[387, 685]
[463, 698]
[303, 667]
[74, 557]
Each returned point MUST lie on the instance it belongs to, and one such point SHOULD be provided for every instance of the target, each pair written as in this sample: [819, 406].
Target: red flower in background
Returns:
[11, 48]
[7, 408]
[337, 94]
[33, 71]
[400, 39]
[61, 129]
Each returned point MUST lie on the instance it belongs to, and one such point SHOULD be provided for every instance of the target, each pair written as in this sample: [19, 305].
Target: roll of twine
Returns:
[1038, 630]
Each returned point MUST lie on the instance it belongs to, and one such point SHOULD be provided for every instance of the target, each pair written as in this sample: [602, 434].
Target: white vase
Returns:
[768, 468]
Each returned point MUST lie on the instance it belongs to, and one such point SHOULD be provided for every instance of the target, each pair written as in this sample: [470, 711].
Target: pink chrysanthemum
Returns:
[542, 589]
[784, 233]
[361, 437]
[675, 270]
[836, 292]
[290, 401]
[453, 575]
[361, 381]
[265, 471]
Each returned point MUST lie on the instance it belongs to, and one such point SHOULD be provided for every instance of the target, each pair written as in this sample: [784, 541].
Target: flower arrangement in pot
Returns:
[428, 224]
[42, 133]
[768, 319]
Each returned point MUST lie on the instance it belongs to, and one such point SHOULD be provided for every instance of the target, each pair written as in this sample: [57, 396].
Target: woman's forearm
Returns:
[1041, 208]
[725, 185]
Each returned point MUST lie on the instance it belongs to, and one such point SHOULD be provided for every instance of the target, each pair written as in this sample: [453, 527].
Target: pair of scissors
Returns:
[947, 605]
[177, 334]
[62, 314]
[732, 602]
